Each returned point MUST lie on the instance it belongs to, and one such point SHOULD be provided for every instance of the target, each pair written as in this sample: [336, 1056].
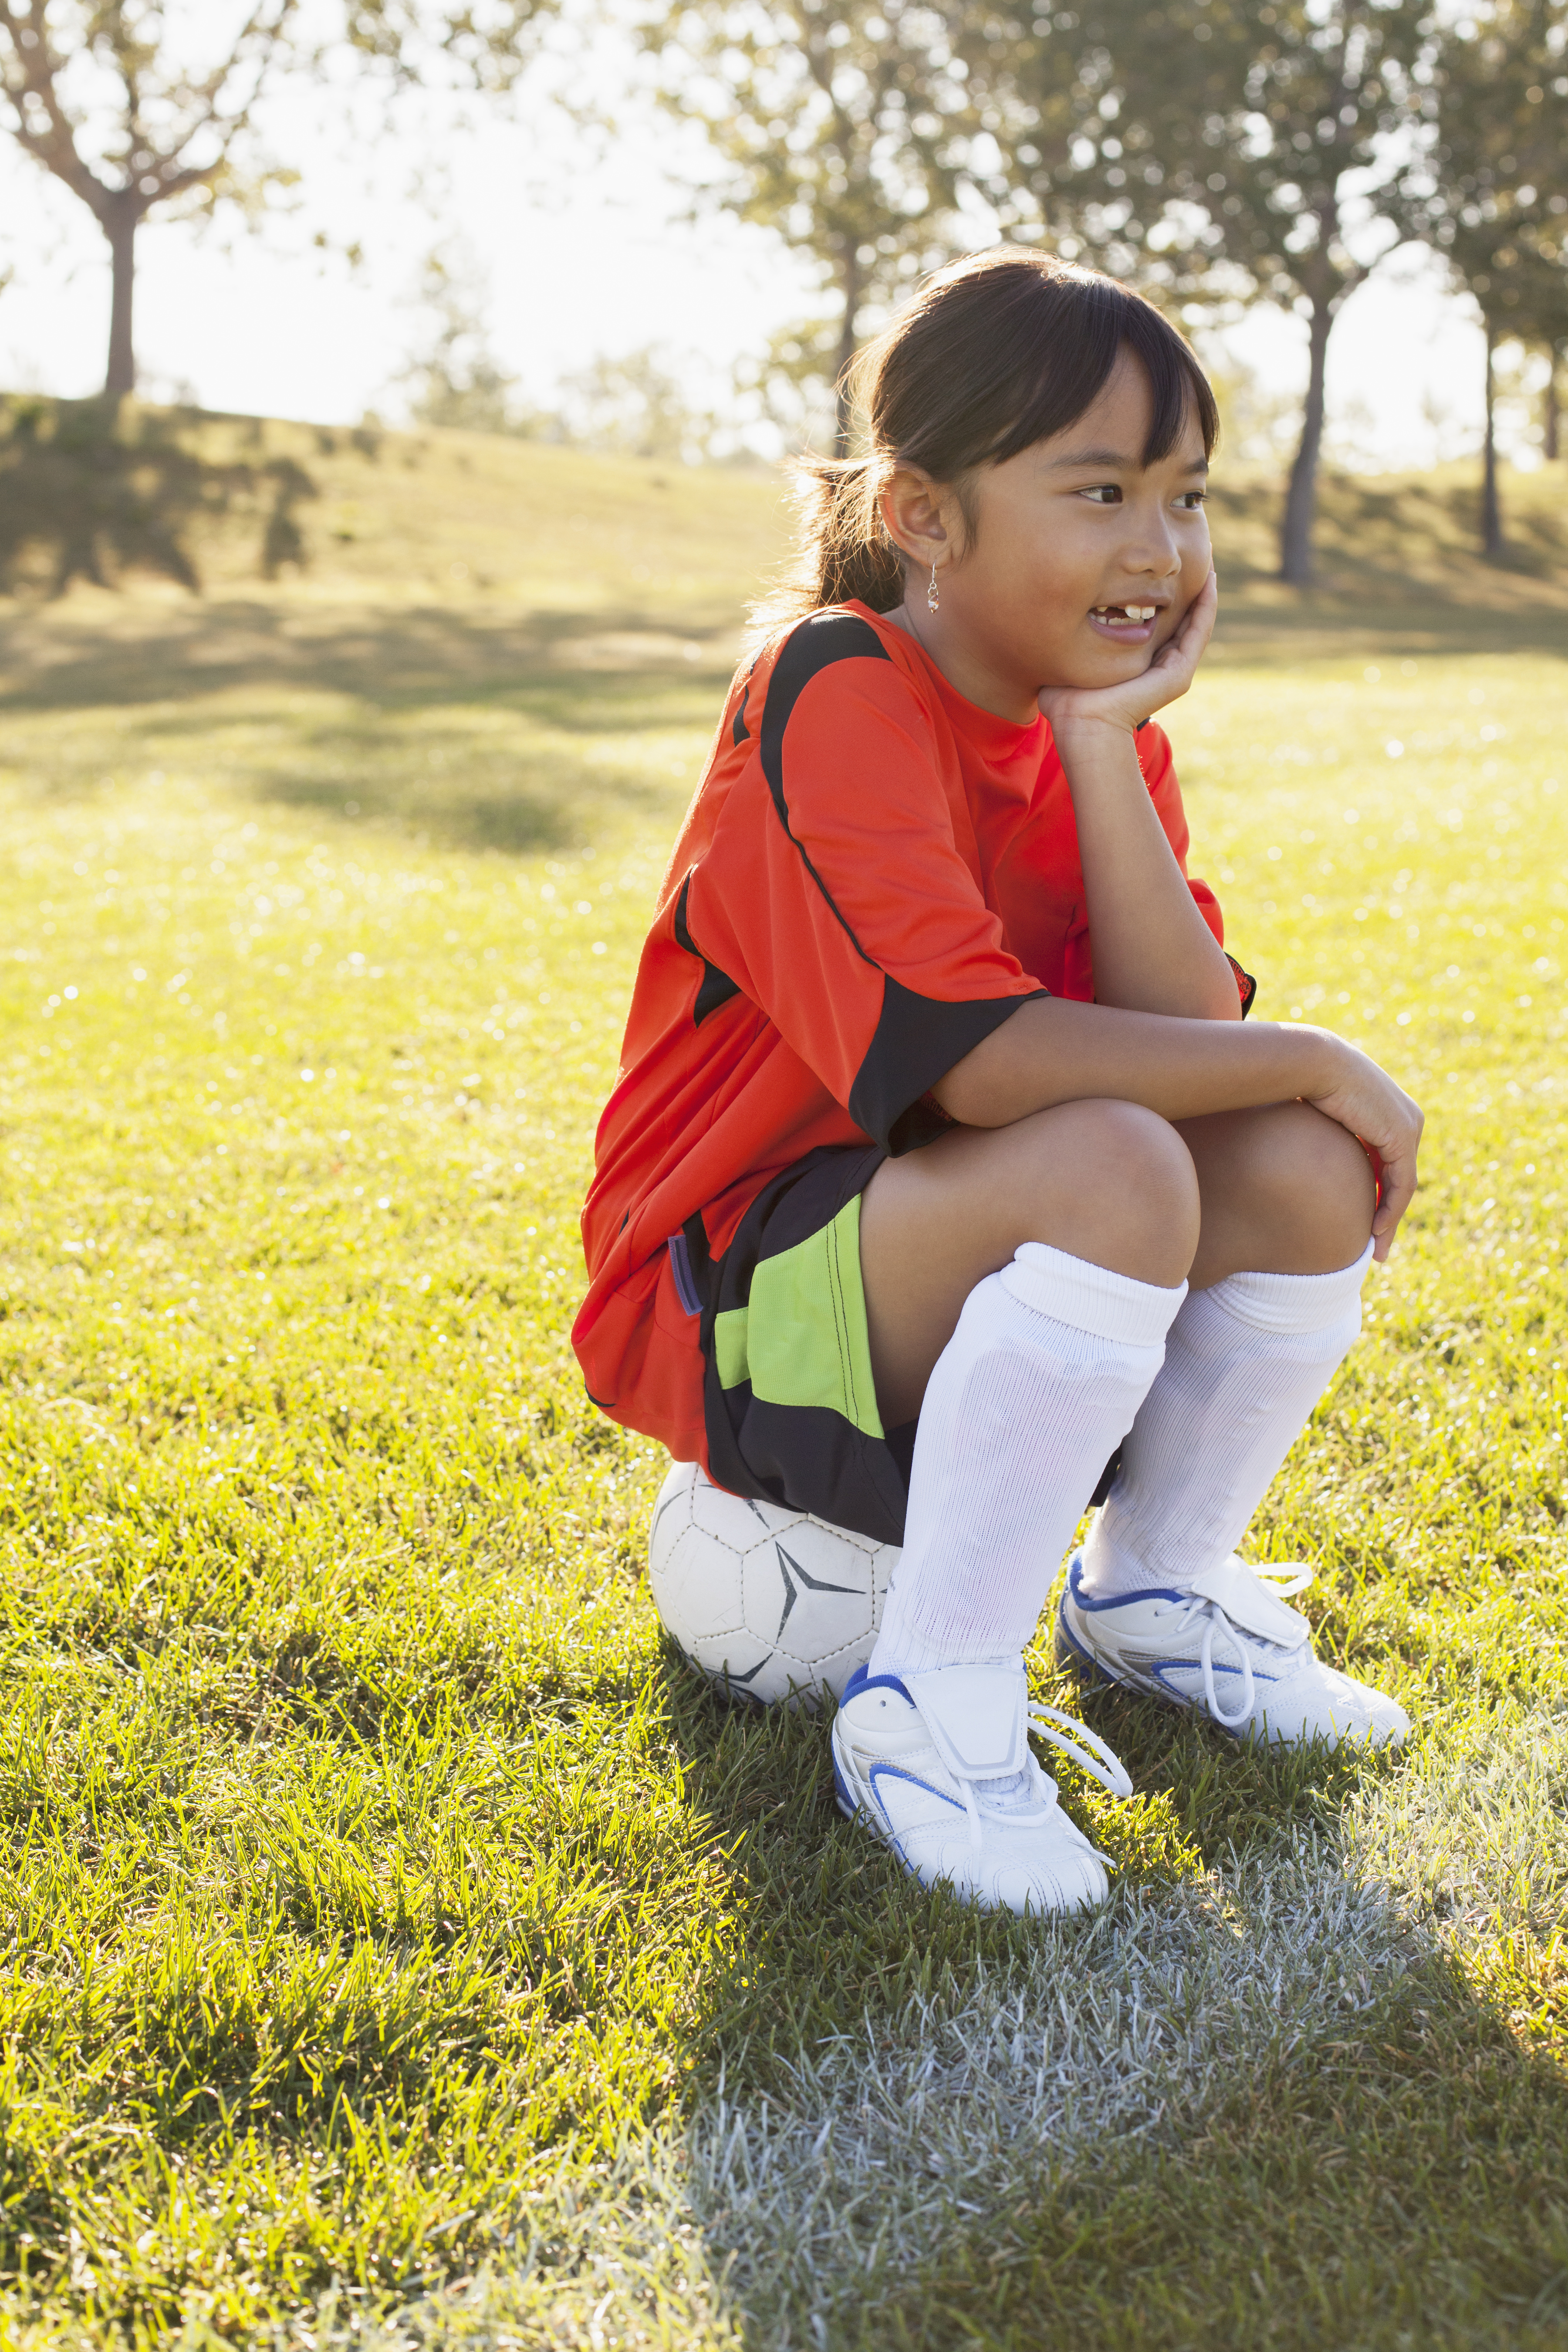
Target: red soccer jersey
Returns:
[873, 874]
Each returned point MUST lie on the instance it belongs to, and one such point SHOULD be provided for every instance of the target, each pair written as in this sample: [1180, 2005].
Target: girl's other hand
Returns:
[1167, 677]
[1381, 1116]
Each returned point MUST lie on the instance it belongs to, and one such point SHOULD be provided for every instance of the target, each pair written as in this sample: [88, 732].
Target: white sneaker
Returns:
[1231, 1632]
[939, 1767]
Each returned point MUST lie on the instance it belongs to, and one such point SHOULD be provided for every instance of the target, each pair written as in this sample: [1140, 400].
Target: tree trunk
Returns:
[1491, 516]
[1301, 497]
[844, 414]
[1552, 414]
[119, 228]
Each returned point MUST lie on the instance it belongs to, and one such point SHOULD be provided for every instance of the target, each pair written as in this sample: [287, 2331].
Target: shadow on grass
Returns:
[1400, 2185]
[488, 751]
[519, 818]
[1391, 2172]
[1266, 625]
[571, 662]
[95, 489]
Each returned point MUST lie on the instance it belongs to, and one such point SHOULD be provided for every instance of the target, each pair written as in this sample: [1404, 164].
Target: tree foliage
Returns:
[487, 48]
[106, 96]
[841, 124]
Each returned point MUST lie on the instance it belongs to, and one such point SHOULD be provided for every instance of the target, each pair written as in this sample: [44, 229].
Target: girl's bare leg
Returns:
[1281, 1191]
[1103, 1180]
[1284, 1191]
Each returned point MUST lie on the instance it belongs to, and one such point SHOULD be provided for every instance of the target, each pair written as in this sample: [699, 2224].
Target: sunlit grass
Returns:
[375, 1881]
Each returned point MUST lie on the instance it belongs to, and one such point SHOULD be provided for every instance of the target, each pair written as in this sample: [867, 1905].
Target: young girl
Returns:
[940, 1165]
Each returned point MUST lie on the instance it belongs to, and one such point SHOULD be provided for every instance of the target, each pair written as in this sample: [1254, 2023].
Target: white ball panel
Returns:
[740, 1659]
[698, 1589]
[732, 1517]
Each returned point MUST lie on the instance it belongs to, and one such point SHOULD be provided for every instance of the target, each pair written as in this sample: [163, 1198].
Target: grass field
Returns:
[400, 1947]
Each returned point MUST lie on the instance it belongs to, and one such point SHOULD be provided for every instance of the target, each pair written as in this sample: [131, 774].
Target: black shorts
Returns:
[789, 1402]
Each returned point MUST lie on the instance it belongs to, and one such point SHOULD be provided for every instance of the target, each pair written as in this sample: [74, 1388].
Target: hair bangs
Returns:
[1072, 332]
[1178, 386]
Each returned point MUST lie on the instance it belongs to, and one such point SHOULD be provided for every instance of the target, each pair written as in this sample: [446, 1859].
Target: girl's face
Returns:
[1082, 563]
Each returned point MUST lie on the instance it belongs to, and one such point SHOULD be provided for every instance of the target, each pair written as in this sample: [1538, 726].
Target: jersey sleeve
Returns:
[835, 894]
[1159, 767]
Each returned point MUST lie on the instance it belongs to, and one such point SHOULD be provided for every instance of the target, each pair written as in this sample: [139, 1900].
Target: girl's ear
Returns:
[913, 514]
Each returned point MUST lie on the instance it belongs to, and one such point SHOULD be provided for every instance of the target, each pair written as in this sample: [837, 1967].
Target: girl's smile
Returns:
[1128, 623]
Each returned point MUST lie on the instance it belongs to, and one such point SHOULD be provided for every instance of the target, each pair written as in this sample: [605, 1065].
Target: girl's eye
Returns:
[1191, 501]
[1104, 494]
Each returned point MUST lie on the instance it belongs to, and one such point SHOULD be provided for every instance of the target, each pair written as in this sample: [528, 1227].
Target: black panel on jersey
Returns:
[716, 987]
[917, 1041]
[814, 646]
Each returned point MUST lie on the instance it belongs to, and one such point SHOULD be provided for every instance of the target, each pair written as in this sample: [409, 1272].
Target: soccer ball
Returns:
[772, 1603]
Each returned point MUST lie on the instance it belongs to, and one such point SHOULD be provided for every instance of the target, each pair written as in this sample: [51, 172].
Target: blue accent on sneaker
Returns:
[1118, 1601]
[863, 1679]
[896, 1772]
[1191, 1666]
[1072, 1652]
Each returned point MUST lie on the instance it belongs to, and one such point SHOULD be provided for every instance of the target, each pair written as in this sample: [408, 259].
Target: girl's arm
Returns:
[1054, 1051]
[1153, 950]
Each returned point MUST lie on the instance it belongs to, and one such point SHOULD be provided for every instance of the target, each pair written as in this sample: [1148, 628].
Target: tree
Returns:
[631, 402]
[95, 98]
[838, 123]
[1489, 191]
[456, 379]
[97, 93]
[1231, 149]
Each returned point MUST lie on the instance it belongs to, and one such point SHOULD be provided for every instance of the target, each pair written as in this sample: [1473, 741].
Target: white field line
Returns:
[783, 2210]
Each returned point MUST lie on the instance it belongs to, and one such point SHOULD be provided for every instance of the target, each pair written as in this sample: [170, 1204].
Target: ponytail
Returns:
[996, 352]
[843, 553]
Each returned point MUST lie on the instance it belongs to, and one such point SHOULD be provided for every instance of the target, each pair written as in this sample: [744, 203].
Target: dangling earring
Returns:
[932, 599]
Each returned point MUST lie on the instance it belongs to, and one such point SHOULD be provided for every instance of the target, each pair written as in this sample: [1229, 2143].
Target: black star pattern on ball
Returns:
[812, 1584]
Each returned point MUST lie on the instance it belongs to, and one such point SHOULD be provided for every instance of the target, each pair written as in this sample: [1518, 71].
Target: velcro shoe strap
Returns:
[977, 1717]
[1248, 1603]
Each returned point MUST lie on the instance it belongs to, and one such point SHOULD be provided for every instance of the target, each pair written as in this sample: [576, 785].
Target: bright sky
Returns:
[586, 251]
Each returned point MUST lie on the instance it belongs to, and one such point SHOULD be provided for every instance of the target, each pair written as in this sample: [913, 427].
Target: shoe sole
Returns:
[845, 1802]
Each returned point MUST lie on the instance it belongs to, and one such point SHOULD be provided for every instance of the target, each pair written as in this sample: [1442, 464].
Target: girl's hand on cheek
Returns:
[1167, 677]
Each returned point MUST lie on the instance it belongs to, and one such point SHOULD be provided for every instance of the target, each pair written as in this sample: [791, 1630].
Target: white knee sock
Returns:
[1245, 1363]
[1030, 1399]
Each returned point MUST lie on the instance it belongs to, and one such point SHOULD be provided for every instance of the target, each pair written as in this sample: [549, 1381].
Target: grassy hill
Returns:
[471, 551]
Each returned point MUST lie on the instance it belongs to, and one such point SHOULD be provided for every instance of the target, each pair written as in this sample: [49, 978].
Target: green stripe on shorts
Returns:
[801, 1339]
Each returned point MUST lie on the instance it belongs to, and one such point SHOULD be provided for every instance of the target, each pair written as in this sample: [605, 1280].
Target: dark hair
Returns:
[994, 353]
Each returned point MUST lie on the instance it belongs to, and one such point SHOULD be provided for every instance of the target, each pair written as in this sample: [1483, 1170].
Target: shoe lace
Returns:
[1099, 1761]
[1285, 1581]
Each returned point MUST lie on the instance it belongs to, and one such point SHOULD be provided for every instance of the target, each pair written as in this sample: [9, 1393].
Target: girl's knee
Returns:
[1144, 1152]
[1136, 1185]
[1314, 1160]
[1312, 1175]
